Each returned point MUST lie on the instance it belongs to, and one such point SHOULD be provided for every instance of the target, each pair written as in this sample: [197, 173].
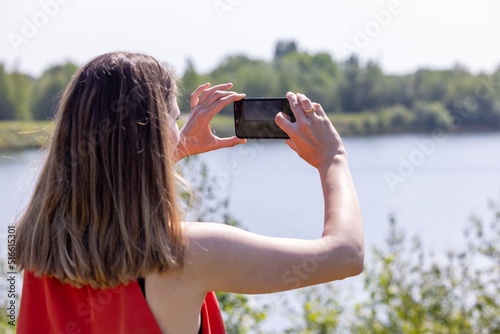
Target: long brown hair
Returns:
[104, 207]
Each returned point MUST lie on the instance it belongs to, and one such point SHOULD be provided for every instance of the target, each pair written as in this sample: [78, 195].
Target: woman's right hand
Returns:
[312, 135]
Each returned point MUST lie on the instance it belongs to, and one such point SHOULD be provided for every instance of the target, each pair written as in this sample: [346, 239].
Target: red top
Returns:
[51, 307]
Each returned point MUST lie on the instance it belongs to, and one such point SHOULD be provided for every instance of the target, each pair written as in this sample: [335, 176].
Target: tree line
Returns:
[23, 97]
[422, 101]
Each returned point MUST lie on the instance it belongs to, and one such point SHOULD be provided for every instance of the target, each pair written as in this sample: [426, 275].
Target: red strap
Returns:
[211, 317]
[51, 307]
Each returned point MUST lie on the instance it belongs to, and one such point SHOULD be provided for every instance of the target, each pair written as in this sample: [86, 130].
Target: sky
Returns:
[401, 35]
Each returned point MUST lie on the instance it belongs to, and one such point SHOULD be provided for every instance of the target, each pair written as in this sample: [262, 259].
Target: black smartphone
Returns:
[254, 117]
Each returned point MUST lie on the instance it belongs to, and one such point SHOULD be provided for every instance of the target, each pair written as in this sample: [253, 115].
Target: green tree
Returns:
[6, 108]
[48, 89]
[396, 118]
[376, 101]
[321, 311]
[350, 92]
[188, 83]
[20, 95]
[317, 76]
[284, 48]
[430, 85]
[431, 116]
[362, 88]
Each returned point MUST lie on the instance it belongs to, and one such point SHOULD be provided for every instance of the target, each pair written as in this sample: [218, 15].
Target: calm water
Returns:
[432, 185]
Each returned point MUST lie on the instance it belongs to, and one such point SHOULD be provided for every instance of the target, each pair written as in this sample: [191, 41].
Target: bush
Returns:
[431, 116]
[397, 118]
[413, 292]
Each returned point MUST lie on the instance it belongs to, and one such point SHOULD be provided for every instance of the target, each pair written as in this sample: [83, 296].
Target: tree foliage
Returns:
[6, 111]
[411, 291]
[15, 94]
[448, 99]
[48, 89]
[426, 100]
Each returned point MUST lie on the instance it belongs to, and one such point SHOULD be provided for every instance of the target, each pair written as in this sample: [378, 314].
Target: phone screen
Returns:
[254, 117]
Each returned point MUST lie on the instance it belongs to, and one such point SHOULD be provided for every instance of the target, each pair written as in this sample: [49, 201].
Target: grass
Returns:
[16, 135]
[346, 124]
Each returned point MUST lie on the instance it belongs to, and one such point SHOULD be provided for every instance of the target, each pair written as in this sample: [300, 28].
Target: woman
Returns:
[104, 218]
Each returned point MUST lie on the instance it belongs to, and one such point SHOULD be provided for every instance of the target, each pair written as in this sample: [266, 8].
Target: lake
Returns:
[431, 184]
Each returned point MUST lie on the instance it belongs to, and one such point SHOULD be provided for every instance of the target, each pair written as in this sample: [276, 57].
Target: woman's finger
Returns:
[218, 101]
[283, 122]
[306, 104]
[230, 142]
[297, 110]
[319, 109]
[195, 96]
[210, 91]
[304, 101]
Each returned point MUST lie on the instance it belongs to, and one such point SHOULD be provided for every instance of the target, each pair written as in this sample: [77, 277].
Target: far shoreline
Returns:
[26, 135]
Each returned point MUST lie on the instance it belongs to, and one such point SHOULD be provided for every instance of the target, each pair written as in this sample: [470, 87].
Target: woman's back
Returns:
[104, 211]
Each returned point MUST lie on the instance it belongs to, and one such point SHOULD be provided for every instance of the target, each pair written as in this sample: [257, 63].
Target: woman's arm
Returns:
[224, 258]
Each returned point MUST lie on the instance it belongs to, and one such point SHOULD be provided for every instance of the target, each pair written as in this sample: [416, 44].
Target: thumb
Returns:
[231, 141]
[283, 122]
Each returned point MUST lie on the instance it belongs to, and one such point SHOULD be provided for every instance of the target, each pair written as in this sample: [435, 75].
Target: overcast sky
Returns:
[402, 35]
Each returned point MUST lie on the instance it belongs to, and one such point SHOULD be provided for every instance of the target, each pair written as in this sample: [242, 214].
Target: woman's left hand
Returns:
[196, 136]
